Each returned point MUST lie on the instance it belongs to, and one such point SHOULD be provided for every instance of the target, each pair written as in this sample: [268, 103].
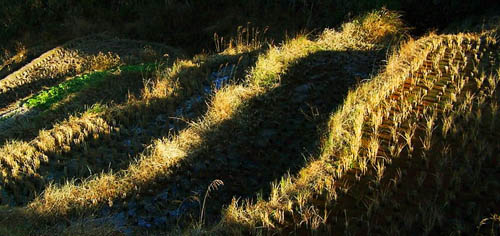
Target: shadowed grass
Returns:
[163, 157]
[111, 90]
[427, 122]
[105, 138]
[304, 203]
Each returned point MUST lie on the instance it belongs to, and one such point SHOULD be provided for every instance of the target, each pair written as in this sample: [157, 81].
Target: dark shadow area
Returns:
[428, 15]
[191, 24]
[490, 20]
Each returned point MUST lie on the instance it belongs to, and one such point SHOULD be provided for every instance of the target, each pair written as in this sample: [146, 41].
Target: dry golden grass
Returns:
[303, 201]
[432, 93]
[169, 86]
[365, 33]
[75, 57]
[157, 160]
[154, 163]
[21, 160]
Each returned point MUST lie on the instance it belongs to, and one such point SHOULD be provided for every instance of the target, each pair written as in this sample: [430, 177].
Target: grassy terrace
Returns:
[77, 95]
[224, 105]
[394, 145]
[357, 130]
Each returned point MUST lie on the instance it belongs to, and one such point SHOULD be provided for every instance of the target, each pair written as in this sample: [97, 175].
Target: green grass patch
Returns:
[46, 98]
[96, 108]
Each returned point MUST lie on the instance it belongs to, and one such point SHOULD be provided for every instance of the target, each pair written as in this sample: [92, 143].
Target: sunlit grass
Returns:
[415, 111]
[347, 151]
[164, 154]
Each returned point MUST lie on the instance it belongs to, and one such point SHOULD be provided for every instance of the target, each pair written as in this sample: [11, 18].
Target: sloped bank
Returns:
[346, 189]
[97, 52]
[186, 161]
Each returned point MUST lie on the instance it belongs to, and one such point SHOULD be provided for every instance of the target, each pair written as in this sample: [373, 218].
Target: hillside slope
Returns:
[411, 152]
[317, 135]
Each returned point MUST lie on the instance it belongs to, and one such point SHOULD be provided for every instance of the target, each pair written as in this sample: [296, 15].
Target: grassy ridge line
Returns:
[21, 58]
[445, 150]
[285, 194]
[339, 155]
[117, 88]
[363, 33]
[17, 77]
[445, 145]
[422, 90]
[161, 95]
[74, 57]
[21, 160]
[163, 154]
[151, 164]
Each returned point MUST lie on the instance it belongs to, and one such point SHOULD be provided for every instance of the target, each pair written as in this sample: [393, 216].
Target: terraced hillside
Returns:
[313, 136]
[411, 152]
[98, 52]
[104, 136]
